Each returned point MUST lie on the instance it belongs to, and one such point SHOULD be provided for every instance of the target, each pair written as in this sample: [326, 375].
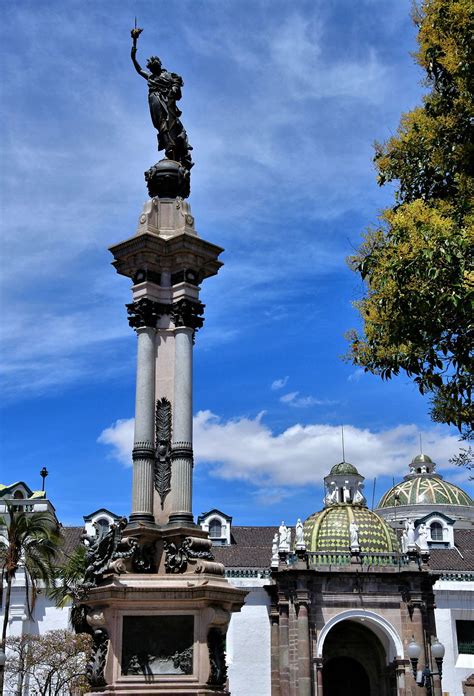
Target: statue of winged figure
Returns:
[164, 90]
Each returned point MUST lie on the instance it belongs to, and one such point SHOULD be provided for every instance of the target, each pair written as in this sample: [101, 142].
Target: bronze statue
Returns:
[164, 90]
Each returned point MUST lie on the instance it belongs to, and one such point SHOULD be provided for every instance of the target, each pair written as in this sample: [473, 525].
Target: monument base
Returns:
[161, 634]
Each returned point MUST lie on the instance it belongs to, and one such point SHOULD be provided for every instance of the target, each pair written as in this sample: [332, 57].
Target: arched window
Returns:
[215, 528]
[436, 531]
[18, 495]
[103, 523]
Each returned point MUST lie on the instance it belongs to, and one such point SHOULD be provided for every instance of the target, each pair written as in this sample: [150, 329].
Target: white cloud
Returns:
[247, 449]
[279, 97]
[294, 399]
[279, 383]
[62, 346]
[288, 398]
[120, 438]
[356, 375]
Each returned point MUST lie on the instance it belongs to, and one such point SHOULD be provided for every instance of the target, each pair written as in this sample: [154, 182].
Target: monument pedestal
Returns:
[166, 633]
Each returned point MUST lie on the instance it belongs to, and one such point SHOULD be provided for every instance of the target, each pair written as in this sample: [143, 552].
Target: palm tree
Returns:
[31, 542]
[68, 585]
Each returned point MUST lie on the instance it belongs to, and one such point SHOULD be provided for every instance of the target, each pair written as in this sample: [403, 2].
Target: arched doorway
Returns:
[355, 662]
[343, 676]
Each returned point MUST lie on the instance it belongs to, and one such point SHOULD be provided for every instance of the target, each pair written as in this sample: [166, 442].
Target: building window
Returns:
[103, 523]
[18, 495]
[465, 636]
[215, 529]
[436, 531]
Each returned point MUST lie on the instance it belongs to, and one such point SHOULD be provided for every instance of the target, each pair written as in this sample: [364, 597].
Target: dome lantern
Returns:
[422, 464]
[343, 486]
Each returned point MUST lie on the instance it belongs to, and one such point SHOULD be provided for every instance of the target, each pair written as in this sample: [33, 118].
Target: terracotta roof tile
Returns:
[251, 547]
[71, 539]
[459, 559]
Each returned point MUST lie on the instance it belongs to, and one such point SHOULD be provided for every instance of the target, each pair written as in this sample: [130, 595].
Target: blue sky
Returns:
[282, 103]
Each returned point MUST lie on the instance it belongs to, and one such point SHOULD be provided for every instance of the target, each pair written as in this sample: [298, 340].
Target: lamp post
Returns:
[425, 677]
[43, 473]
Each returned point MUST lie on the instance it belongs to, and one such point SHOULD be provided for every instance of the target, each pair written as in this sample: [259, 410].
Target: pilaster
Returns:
[284, 647]
[304, 650]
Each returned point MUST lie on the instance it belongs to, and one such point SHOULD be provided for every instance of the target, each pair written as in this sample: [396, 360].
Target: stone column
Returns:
[400, 675]
[187, 319]
[304, 665]
[284, 650]
[318, 668]
[143, 316]
[274, 654]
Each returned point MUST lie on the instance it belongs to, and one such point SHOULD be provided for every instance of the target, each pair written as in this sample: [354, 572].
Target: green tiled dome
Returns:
[328, 530]
[343, 468]
[424, 490]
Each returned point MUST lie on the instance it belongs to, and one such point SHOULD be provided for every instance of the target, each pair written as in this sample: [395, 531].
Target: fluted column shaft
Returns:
[182, 453]
[143, 445]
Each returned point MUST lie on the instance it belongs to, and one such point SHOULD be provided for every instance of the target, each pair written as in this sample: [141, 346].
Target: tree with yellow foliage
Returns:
[417, 264]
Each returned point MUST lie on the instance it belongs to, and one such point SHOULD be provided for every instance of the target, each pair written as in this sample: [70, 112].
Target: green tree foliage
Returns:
[53, 664]
[67, 586]
[31, 542]
[68, 578]
[417, 264]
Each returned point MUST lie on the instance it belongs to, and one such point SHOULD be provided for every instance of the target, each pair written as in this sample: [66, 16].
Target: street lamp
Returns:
[425, 677]
[437, 650]
[43, 473]
[414, 652]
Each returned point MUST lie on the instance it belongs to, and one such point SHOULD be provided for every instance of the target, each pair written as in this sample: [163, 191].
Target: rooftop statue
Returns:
[164, 90]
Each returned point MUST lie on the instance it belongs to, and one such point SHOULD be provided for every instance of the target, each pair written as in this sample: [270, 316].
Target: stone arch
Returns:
[384, 630]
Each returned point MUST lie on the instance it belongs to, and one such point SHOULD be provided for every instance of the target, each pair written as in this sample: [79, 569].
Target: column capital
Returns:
[302, 598]
[188, 313]
[145, 312]
[274, 615]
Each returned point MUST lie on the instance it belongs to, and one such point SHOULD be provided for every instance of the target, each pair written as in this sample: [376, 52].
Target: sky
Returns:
[282, 103]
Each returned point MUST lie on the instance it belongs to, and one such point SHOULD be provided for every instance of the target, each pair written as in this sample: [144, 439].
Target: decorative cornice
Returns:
[188, 313]
[145, 312]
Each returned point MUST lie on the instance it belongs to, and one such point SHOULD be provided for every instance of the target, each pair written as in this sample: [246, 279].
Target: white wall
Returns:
[46, 617]
[454, 600]
[248, 641]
